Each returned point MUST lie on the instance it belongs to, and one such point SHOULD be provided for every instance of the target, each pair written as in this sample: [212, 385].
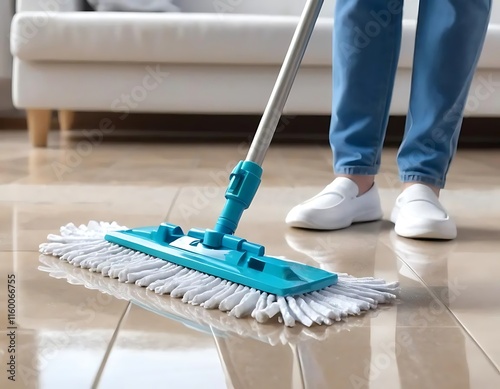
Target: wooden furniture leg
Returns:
[66, 119]
[39, 121]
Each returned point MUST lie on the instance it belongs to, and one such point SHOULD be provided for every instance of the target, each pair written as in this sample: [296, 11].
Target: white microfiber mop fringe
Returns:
[197, 318]
[84, 246]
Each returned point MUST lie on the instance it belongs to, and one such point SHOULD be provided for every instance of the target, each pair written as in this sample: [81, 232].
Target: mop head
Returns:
[85, 246]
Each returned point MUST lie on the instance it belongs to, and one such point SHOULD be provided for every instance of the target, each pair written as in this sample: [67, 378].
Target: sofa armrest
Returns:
[49, 5]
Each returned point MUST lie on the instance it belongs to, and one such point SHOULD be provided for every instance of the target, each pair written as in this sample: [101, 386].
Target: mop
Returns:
[214, 268]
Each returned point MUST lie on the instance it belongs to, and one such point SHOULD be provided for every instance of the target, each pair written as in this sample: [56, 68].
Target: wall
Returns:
[6, 11]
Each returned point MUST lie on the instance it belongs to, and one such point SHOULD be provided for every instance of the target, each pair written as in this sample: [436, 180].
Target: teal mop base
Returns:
[235, 259]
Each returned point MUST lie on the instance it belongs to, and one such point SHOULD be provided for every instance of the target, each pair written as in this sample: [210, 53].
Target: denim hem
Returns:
[417, 177]
[357, 170]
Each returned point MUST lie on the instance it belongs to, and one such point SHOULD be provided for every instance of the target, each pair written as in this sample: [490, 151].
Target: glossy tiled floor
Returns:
[76, 329]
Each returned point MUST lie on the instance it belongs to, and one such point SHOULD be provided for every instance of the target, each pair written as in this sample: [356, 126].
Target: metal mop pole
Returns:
[283, 86]
[245, 178]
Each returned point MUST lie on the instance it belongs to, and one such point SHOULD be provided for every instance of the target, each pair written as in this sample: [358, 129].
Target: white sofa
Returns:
[6, 14]
[198, 61]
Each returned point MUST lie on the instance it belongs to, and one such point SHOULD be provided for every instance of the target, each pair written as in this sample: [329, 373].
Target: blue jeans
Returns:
[366, 47]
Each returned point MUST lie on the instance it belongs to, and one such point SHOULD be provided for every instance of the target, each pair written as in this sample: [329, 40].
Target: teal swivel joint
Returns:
[244, 182]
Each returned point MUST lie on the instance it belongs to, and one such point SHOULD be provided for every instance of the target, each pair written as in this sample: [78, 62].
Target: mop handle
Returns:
[284, 83]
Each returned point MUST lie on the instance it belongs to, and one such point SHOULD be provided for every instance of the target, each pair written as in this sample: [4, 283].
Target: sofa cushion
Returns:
[165, 38]
[204, 38]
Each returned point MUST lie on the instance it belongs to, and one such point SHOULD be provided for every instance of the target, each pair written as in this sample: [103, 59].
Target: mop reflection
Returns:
[252, 354]
[211, 321]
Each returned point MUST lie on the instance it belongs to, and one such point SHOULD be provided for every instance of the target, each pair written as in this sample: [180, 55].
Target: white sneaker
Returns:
[418, 214]
[336, 207]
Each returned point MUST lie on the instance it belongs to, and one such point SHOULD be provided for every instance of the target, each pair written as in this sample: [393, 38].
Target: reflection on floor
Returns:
[76, 329]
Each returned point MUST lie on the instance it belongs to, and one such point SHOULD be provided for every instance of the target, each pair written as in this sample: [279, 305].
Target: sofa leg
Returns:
[39, 121]
[66, 119]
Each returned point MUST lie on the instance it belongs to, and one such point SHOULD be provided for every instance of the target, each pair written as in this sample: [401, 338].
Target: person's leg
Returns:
[366, 46]
[450, 36]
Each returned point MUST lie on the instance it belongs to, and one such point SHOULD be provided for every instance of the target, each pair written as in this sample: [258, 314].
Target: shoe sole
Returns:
[436, 229]
[367, 217]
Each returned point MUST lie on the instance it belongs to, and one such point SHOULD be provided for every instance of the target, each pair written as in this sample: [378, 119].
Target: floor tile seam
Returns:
[20, 251]
[468, 332]
[110, 345]
[460, 323]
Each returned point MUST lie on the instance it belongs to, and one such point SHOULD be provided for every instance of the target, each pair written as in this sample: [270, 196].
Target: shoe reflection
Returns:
[427, 259]
[351, 250]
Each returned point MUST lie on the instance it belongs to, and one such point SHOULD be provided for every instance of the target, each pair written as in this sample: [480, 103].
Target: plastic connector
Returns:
[244, 182]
